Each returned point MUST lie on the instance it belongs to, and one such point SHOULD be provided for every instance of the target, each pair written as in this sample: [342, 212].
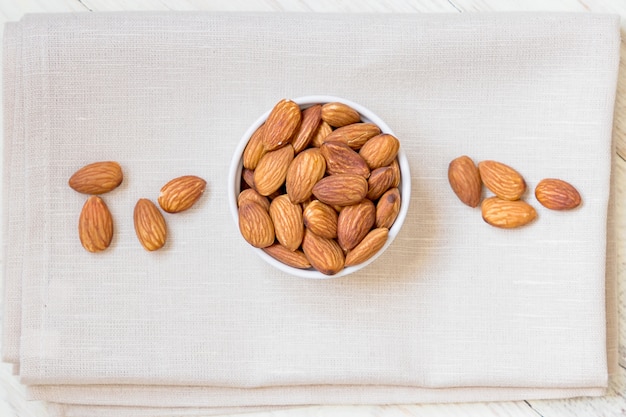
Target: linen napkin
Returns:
[455, 310]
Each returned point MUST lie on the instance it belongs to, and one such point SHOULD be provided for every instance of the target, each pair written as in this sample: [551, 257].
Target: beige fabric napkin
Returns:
[454, 311]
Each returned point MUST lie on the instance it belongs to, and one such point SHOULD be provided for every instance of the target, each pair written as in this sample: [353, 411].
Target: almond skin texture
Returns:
[255, 225]
[295, 259]
[502, 180]
[464, 179]
[271, 171]
[380, 180]
[307, 168]
[354, 223]
[372, 243]
[281, 124]
[507, 214]
[388, 208]
[395, 166]
[557, 194]
[321, 219]
[254, 150]
[380, 150]
[341, 189]
[341, 159]
[323, 130]
[181, 193]
[95, 225]
[288, 223]
[97, 178]
[325, 255]
[251, 195]
[149, 225]
[339, 114]
[311, 119]
[354, 135]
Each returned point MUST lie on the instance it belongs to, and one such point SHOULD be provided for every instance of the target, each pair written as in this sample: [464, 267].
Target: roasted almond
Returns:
[181, 193]
[339, 114]
[388, 208]
[95, 225]
[311, 119]
[321, 219]
[354, 135]
[354, 223]
[341, 189]
[271, 171]
[502, 180]
[247, 175]
[380, 180]
[251, 195]
[307, 168]
[341, 159]
[380, 150]
[323, 130]
[288, 223]
[325, 255]
[295, 259]
[557, 194]
[372, 243]
[255, 225]
[254, 150]
[97, 178]
[281, 124]
[507, 214]
[149, 225]
[464, 179]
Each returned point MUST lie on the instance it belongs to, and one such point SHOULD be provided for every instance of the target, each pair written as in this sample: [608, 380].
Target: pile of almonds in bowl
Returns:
[319, 186]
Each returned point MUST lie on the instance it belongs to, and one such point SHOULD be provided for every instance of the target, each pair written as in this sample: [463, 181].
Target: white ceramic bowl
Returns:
[234, 182]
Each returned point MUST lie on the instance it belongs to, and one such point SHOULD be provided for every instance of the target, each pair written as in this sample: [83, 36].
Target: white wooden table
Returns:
[12, 403]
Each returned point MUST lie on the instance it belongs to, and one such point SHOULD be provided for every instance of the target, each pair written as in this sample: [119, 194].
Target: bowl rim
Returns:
[234, 180]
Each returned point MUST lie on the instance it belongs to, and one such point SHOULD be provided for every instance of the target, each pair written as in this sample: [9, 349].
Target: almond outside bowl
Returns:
[234, 181]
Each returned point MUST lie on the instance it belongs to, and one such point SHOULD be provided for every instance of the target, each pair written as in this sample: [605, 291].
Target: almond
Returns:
[323, 130]
[247, 175]
[557, 194]
[307, 168]
[95, 225]
[181, 193]
[321, 219]
[354, 135]
[395, 166]
[149, 225]
[325, 255]
[380, 150]
[387, 208]
[464, 178]
[354, 223]
[281, 124]
[295, 259]
[507, 214]
[341, 189]
[311, 118]
[339, 114]
[372, 243]
[288, 223]
[380, 180]
[255, 225]
[97, 178]
[271, 171]
[341, 159]
[251, 195]
[502, 180]
[254, 150]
